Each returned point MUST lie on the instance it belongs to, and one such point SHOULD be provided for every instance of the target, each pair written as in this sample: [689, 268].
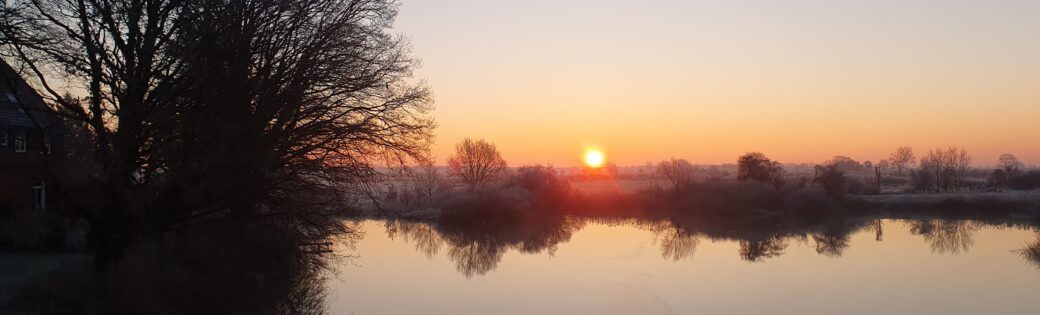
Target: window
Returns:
[3, 138]
[40, 196]
[19, 142]
[11, 98]
[47, 144]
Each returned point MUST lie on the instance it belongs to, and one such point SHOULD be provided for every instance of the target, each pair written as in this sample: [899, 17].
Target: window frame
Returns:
[20, 142]
[40, 196]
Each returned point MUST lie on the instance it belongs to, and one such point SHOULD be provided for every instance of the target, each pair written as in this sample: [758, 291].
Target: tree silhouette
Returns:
[1009, 163]
[678, 172]
[476, 163]
[756, 166]
[902, 158]
[256, 110]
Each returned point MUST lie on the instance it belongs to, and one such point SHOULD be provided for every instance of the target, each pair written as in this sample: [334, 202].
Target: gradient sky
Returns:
[798, 80]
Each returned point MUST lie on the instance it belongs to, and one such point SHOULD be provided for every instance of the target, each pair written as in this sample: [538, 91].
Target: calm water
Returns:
[868, 267]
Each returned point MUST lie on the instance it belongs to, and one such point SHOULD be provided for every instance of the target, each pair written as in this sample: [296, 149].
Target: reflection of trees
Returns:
[476, 256]
[426, 239]
[676, 243]
[945, 236]
[831, 244]
[757, 250]
[834, 239]
[477, 249]
[306, 295]
[1031, 252]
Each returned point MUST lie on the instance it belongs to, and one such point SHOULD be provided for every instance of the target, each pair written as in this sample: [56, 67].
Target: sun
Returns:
[594, 158]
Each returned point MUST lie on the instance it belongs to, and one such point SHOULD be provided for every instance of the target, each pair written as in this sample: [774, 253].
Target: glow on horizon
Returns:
[799, 80]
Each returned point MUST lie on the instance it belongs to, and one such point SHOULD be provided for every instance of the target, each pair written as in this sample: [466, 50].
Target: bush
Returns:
[1025, 181]
[832, 179]
[500, 206]
[546, 188]
[922, 180]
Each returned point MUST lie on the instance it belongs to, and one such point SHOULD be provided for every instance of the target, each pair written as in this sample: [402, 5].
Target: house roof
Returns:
[22, 108]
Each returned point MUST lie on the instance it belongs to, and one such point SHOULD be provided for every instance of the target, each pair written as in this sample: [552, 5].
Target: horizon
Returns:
[710, 80]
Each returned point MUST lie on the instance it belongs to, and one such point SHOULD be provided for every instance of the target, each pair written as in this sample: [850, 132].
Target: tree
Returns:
[755, 166]
[948, 166]
[427, 180]
[832, 179]
[998, 178]
[935, 165]
[678, 172]
[1009, 163]
[258, 111]
[118, 52]
[902, 158]
[961, 163]
[476, 163]
[845, 164]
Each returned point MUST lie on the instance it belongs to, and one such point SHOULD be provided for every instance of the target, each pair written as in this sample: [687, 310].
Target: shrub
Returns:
[499, 206]
[544, 185]
[832, 179]
[1027, 180]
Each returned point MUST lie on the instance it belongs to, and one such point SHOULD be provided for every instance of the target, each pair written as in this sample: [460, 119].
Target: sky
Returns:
[799, 80]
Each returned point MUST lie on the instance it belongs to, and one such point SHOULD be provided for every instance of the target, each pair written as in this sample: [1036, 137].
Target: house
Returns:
[31, 151]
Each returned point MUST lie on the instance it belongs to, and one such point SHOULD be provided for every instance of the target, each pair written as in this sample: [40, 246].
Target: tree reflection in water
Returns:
[476, 249]
[426, 240]
[945, 236]
[758, 250]
[676, 243]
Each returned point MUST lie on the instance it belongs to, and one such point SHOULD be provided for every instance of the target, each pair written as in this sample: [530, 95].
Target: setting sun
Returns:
[594, 158]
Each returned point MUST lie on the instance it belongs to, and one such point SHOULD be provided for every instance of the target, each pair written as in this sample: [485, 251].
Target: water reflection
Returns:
[477, 249]
[758, 250]
[945, 236]
[676, 242]
[1031, 252]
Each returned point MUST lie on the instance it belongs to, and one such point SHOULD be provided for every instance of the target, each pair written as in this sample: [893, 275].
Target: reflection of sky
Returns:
[900, 274]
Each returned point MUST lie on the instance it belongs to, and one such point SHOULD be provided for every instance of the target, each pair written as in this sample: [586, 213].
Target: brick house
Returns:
[31, 151]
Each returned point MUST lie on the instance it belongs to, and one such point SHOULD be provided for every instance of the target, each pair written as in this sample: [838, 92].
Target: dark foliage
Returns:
[1025, 180]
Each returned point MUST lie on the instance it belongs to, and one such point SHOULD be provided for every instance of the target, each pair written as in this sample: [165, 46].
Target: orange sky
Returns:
[799, 80]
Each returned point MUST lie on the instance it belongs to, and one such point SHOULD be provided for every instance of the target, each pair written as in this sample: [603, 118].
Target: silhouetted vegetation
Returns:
[477, 163]
[258, 120]
[1025, 181]
[902, 158]
[755, 166]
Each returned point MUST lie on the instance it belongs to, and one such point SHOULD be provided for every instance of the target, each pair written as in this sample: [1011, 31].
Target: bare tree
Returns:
[1009, 163]
[117, 53]
[933, 164]
[961, 163]
[902, 158]
[476, 163]
[678, 172]
[428, 180]
[258, 109]
[947, 166]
